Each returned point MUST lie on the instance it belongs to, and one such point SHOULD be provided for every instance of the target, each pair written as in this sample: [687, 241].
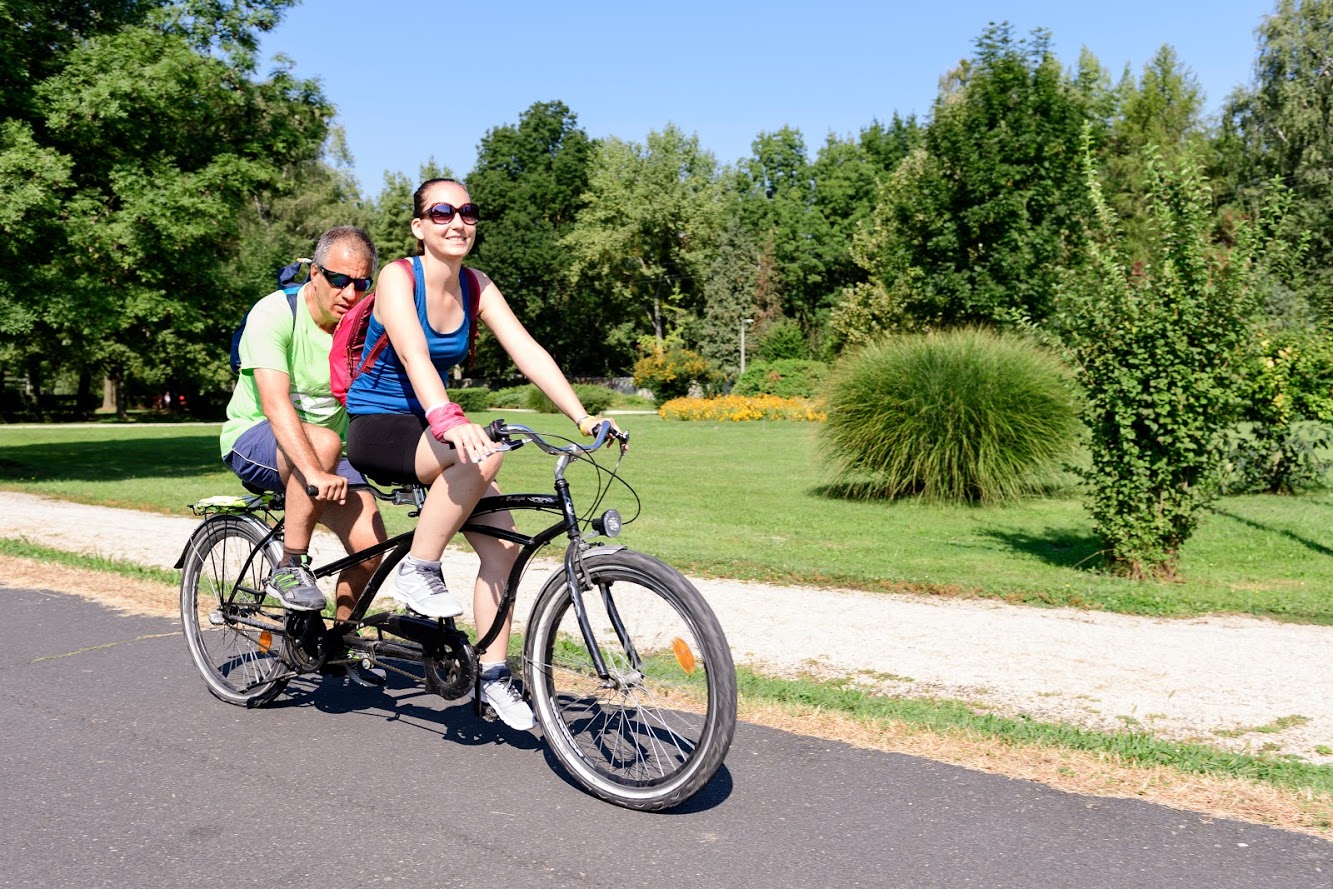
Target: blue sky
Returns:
[416, 79]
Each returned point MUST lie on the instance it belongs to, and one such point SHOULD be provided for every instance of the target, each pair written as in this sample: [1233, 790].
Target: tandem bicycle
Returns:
[624, 664]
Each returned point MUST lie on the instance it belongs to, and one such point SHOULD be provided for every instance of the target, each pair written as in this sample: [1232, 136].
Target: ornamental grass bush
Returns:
[964, 416]
[739, 409]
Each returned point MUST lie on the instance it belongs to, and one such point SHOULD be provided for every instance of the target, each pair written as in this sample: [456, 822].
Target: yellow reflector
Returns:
[265, 640]
[684, 656]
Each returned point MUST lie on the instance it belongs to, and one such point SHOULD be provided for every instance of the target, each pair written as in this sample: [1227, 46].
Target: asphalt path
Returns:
[119, 769]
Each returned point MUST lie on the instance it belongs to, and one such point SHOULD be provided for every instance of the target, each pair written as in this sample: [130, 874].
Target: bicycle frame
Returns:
[425, 631]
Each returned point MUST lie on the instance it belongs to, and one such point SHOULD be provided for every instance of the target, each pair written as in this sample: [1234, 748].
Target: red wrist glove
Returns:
[444, 417]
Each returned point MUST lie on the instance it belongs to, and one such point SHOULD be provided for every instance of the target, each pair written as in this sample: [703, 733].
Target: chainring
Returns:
[305, 631]
[451, 668]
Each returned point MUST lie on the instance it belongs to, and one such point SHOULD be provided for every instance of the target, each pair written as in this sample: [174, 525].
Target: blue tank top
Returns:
[385, 387]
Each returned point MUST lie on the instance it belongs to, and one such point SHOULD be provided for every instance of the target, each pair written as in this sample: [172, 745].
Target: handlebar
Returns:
[509, 436]
[503, 434]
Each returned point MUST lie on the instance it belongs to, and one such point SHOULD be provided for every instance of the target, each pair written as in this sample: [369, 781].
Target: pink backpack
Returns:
[349, 339]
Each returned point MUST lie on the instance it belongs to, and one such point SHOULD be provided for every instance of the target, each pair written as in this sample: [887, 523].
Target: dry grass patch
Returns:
[1065, 770]
[125, 594]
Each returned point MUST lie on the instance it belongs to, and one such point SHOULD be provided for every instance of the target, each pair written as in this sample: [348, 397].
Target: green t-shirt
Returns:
[300, 350]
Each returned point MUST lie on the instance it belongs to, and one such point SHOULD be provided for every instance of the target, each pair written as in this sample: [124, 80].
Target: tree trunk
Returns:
[108, 395]
[84, 394]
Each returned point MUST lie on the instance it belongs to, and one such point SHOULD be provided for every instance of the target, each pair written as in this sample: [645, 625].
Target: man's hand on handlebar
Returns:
[326, 486]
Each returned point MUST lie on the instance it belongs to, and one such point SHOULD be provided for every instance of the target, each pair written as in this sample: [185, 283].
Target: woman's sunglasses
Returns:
[443, 214]
[338, 281]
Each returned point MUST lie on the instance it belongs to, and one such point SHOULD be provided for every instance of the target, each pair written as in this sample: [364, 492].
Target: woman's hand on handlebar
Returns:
[471, 442]
[590, 424]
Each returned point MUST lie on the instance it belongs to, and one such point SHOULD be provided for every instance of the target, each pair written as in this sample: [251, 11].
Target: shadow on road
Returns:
[404, 703]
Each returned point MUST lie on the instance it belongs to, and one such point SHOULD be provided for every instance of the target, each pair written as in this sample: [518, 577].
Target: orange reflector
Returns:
[684, 656]
[265, 640]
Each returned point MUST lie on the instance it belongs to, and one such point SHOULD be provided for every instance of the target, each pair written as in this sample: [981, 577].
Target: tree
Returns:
[777, 191]
[530, 181]
[886, 146]
[974, 225]
[805, 213]
[1162, 109]
[731, 286]
[645, 236]
[131, 160]
[1281, 127]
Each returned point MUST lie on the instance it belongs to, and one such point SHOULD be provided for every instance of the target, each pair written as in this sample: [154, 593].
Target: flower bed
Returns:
[738, 408]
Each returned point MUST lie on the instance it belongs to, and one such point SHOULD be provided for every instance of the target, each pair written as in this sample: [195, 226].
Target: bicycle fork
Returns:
[576, 576]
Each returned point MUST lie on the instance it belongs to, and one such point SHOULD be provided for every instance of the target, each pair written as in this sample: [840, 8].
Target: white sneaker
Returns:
[507, 702]
[420, 586]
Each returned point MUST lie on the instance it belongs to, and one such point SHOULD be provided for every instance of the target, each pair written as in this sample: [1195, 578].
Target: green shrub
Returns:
[1261, 459]
[1156, 344]
[472, 399]
[963, 416]
[1287, 403]
[669, 373]
[510, 397]
[596, 399]
[785, 378]
[783, 340]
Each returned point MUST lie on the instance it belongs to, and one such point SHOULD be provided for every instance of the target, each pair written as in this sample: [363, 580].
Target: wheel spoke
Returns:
[652, 732]
[233, 636]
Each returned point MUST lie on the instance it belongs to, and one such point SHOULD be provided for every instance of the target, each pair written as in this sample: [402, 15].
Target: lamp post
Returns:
[745, 322]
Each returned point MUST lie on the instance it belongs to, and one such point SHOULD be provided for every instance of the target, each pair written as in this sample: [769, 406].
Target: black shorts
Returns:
[383, 447]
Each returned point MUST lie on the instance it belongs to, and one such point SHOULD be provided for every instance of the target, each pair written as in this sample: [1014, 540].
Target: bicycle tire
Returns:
[238, 661]
[650, 737]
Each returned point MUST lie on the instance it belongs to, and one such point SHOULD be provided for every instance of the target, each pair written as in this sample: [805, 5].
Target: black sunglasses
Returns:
[443, 214]
[338, 281]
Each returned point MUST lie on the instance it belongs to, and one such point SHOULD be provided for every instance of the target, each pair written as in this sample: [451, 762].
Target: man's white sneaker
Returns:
[420, 586]
[497, 689]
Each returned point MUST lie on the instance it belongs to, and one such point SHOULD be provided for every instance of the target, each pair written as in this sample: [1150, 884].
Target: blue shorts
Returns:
[254, 459]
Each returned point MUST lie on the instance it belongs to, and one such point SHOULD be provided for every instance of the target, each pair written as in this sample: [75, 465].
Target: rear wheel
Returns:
[235, 636]
[651, 734]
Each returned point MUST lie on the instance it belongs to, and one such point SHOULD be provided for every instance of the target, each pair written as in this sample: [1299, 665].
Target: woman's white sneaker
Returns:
[498, 690]
[420, 586]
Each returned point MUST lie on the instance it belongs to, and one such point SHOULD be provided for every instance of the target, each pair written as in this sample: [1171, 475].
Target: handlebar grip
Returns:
[606, 430]
[312, 490]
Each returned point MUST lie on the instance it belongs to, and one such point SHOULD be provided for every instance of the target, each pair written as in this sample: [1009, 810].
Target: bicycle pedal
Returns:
[362, 672]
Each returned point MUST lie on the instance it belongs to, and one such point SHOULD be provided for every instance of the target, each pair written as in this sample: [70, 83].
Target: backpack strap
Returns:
[292, 291]
[473, 294]
[377, 349]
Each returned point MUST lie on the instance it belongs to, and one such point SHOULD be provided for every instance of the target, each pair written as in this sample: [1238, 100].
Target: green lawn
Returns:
[743, 500]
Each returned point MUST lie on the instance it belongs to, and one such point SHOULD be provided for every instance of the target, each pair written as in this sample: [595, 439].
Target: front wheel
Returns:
[234, 634]
[654, 731]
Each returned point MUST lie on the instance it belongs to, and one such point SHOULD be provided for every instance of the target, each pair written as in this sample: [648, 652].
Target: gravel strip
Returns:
[1216, 680]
